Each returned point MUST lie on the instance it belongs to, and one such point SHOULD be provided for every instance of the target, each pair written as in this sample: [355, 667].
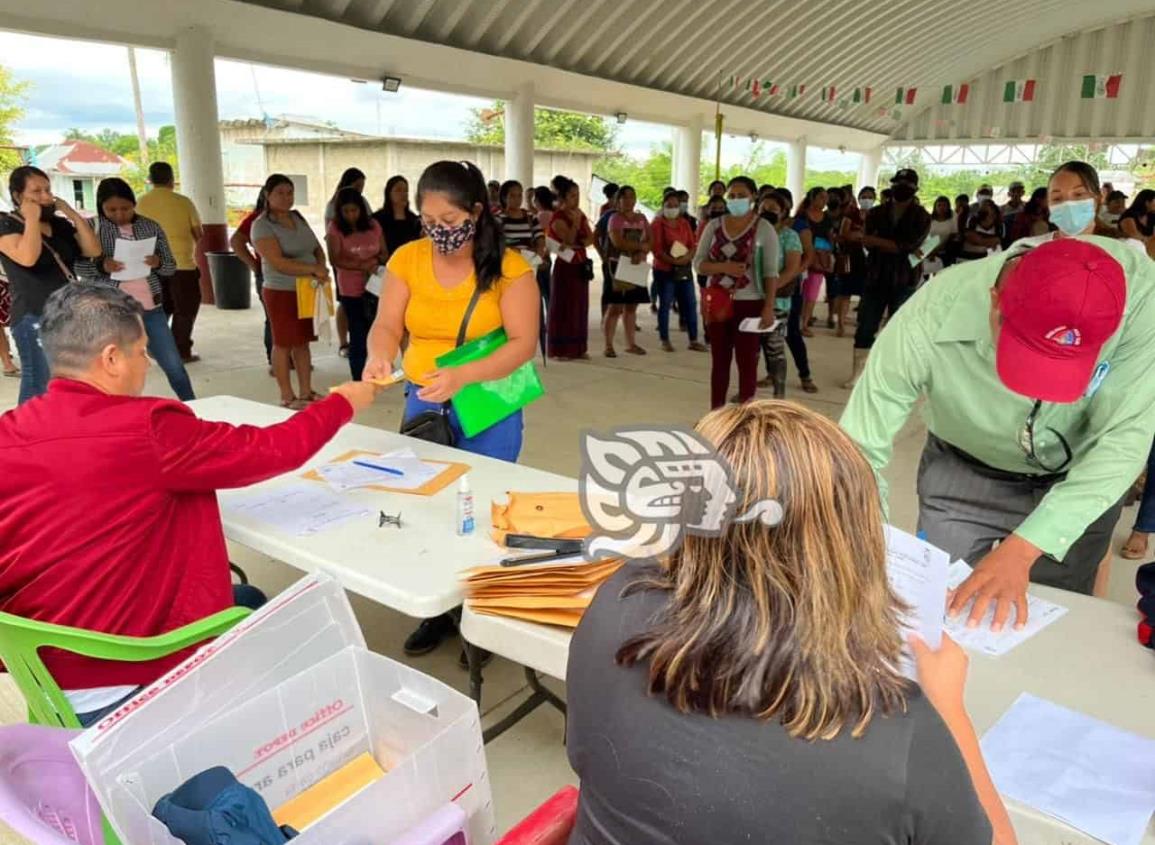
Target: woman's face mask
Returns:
[738, 206]
[671, 212]
[866, 203]
[449, 239]
[1074, 216]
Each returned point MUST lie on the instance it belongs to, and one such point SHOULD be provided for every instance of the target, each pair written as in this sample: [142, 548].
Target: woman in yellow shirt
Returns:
[428, 287]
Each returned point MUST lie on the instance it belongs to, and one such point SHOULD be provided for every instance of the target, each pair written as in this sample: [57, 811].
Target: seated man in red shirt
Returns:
[108, 511]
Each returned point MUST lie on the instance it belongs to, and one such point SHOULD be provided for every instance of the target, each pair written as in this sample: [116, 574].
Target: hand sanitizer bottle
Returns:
[464, 507]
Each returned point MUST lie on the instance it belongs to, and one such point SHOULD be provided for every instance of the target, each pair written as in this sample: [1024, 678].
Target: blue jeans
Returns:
[1145, 521]
[668, 287]
[162, 349]
[33, 363]
[501, 441]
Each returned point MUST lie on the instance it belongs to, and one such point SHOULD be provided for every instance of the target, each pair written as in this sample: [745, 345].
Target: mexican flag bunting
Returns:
[756, 88]
[1019, 91]
[861, 95]
[955, 94]
[796, 91]
[1101, 87]
[733, 81]
[905, 96]
[771, 88]
[828, 94]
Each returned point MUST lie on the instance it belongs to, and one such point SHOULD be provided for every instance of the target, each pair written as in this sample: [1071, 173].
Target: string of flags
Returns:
[1093, 87]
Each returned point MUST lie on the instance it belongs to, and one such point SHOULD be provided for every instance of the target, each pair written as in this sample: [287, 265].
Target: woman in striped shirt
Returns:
[522, 229]
[524, 232]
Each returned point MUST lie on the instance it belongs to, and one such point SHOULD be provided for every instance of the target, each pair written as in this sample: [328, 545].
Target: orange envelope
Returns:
[327, 793]
[554, 515]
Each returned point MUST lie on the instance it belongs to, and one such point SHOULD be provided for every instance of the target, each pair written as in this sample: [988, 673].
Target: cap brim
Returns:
[1025, 370]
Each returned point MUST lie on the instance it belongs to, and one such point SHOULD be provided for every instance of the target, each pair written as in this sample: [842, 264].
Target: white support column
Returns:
[198, 140]
[869, 163]
[688, 160]
[796, 169]
[519, 136]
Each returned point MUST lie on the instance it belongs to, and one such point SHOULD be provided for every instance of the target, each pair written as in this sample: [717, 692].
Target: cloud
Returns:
[101, 96]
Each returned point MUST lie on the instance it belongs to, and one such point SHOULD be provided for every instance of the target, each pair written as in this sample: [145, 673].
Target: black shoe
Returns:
[486, 656]
[429, 635]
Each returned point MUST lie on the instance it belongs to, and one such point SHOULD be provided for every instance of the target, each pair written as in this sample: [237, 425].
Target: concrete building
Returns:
[315, 164]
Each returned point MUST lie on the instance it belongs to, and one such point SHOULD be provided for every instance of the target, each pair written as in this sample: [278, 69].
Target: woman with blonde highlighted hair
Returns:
[747, 689]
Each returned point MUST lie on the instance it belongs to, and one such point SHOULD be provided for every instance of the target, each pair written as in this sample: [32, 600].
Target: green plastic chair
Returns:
[21, 641]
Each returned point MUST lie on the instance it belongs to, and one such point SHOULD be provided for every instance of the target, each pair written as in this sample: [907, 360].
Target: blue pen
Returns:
[389, 470]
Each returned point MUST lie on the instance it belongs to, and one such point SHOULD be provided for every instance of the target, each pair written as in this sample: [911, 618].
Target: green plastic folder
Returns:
[485, 403]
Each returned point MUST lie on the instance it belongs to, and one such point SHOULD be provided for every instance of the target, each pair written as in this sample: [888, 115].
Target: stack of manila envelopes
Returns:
[549, 593]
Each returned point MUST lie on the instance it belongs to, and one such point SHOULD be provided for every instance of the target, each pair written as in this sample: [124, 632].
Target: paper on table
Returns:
[754, 325]
[132, 254]
[927, 246]
[1090, 774]
[1040, 614]
[632, 274]
[917, 572]
[347, 475]
[532, 258]
[678, 249]
[299, 509]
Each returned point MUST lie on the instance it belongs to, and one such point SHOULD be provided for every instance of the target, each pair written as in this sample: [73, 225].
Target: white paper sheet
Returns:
[918, 572]
[678, 250]
[532, 258]
[376, 281]
[554, 246]
[566, 255]
[347, 475]
[132, 254]
[631, 273]
[927, 246]
[754, 326]
[1040, 614]
[299, 509]
[1094, 776]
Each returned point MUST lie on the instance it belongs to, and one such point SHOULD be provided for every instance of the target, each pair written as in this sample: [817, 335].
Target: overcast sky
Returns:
[100, 96]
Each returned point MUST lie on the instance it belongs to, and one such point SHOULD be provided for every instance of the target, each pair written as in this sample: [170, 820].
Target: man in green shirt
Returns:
[1038, 373]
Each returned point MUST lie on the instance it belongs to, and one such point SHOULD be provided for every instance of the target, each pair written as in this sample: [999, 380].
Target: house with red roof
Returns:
[75, 168]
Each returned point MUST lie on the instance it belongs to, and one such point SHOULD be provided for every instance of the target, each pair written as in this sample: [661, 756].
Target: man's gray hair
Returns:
[80, 320]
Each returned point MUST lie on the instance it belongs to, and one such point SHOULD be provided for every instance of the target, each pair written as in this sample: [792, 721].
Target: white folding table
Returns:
[414, 569]
[1089, 660]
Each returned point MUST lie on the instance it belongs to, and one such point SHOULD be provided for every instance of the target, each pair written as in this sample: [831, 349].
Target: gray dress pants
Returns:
[965, 506]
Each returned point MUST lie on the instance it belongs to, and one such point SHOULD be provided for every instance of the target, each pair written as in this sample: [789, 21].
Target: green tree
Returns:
[554, 130]
[13, 94]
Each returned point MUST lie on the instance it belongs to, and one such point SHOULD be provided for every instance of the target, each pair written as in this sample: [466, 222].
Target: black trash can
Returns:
[232, 280]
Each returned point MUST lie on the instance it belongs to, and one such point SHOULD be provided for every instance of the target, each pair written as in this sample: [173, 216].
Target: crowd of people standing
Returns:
[748, 252]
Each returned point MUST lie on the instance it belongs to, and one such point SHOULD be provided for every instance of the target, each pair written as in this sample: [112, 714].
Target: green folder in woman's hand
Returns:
[485, 403]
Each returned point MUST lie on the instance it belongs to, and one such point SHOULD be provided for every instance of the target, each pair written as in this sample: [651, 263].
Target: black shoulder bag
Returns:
[433, 426]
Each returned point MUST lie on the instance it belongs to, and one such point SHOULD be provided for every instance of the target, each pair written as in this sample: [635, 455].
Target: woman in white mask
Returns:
[1073, 198]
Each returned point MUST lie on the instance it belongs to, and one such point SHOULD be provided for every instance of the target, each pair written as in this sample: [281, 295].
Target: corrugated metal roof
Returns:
[693, 47]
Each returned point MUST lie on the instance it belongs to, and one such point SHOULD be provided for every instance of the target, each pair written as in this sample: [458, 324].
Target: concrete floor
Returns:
[528, 763]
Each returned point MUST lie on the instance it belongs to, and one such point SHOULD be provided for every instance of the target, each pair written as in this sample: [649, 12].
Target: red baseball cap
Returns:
[1060, 304]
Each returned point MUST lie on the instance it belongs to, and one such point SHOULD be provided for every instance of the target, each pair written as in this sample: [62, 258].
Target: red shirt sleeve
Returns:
[196, 455]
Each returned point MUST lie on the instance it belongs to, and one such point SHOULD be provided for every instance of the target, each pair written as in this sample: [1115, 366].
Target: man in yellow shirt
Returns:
[178, 217]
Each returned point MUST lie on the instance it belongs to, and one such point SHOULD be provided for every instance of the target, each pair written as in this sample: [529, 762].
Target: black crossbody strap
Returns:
[468, 315]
